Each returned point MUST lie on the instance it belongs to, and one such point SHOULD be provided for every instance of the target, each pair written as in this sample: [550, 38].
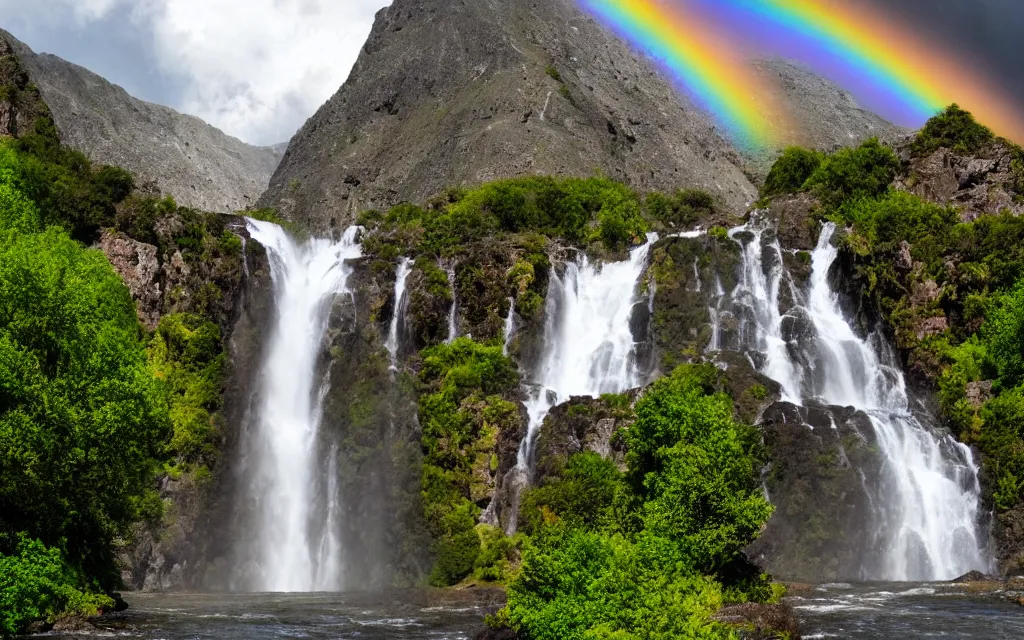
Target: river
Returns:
[871, 611]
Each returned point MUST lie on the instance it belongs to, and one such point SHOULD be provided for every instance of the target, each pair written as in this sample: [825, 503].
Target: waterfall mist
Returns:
[288, 483]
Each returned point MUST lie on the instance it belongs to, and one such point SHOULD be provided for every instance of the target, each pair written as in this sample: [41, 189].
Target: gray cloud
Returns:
[988, 33]
[254, 68]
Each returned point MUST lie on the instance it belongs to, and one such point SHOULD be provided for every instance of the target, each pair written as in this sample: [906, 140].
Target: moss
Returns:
[954, 129]
[462, 410]
[553, 73]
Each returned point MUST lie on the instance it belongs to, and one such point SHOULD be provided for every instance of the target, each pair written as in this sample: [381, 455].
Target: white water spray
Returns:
[588, 343]
[297, 548]
[927, 509]
[510, 326]
[453, 314]
[401, 303]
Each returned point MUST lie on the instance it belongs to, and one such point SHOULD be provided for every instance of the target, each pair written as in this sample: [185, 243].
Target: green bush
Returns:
[576, 584]
[1003, 332]
[954, 129]
[683, 209]
[791, 171]
[583, 496]
[36, 584]
[696, 469]
[849, 174]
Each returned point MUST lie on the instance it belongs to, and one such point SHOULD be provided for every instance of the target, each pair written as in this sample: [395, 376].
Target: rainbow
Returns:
[703, 64]
[890, 69]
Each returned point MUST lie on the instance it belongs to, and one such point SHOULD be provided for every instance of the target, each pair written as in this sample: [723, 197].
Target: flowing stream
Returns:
[927, 520]
[294, 545]
[589, 348]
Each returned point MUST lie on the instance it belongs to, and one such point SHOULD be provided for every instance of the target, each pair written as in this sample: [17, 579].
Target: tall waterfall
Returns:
[926, 510]
[291, 483]
[588, 342]
[401, 303]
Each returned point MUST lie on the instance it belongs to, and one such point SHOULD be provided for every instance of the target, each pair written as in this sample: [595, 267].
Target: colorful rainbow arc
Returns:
[909, 76]
[888, 66]
[705, 66]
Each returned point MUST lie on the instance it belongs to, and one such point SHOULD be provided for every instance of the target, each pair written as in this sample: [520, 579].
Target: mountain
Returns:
[198, 164]
[456, 93]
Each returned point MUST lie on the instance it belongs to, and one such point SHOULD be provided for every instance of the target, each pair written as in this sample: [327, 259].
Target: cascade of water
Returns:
[715, 313]
[927, 507]
[759, 292]
[510, 326]
[588, 342]
[453, 314]
[296, 534]
[401, 302]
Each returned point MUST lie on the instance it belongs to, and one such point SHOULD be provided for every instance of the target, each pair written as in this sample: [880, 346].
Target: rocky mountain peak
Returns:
[458, 93]
[185, 157]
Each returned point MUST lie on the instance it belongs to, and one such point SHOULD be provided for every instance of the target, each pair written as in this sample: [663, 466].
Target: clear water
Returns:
[390, 616]
[290, 540]
[900, 611]
[869, 612]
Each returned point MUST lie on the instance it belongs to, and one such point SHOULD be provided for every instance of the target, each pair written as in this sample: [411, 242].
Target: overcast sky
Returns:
[254, 68]
[258, 68]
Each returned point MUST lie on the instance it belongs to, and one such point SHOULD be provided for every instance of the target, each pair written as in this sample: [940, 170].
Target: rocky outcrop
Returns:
[448, 93]
[580, 425]
[755, 621]
[137, 264]
[823, 461]
[977, 184]
[185, 157]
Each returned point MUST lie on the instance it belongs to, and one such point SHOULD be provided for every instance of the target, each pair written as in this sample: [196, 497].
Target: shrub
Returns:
[684, 208]
[1003, 331]
[849, 174]
[583, 496]
[791, 171]
[954, 129]
[37, 584]
[576, 584]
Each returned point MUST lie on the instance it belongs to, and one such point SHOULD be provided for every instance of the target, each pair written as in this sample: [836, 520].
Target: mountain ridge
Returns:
[193, 161]
[450, 94]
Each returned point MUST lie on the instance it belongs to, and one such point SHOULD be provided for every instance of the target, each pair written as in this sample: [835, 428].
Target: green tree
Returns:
[81, 416]
[791, 171]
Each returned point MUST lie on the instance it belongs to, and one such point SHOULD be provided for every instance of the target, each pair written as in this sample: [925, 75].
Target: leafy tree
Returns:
[37, 584]
[81, 416]
[583, 495]
[791, 171]
[850, 174]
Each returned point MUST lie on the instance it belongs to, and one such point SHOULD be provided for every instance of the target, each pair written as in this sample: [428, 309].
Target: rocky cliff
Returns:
[196, 163]
[457, 93]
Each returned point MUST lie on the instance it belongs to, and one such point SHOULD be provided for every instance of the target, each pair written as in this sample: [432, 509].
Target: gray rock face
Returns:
[199, 165]
[458, 93]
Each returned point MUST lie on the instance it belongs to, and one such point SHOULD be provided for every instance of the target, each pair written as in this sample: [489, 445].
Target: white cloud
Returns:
[254, 68]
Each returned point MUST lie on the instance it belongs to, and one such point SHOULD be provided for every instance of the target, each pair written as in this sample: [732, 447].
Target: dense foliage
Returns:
[652, 552]
[91, 406]
[463, 410]
[953, 129]
[952, 291]
[791, 171]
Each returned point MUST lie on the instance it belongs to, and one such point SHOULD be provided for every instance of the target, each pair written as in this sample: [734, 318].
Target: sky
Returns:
[257, 69]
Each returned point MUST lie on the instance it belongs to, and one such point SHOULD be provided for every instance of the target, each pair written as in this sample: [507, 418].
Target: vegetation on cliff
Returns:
[948, 285]
[654, 551]
[92, 405]
[467, 402]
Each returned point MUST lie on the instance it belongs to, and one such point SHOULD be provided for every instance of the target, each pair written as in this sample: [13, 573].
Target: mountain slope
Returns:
[196, 163]
[459, 93]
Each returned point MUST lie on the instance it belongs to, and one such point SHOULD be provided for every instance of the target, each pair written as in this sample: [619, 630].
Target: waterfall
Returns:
[926, 509]
[401, 302]
[453, 314]
[510, 326]
[589, 348]
[295, 496]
